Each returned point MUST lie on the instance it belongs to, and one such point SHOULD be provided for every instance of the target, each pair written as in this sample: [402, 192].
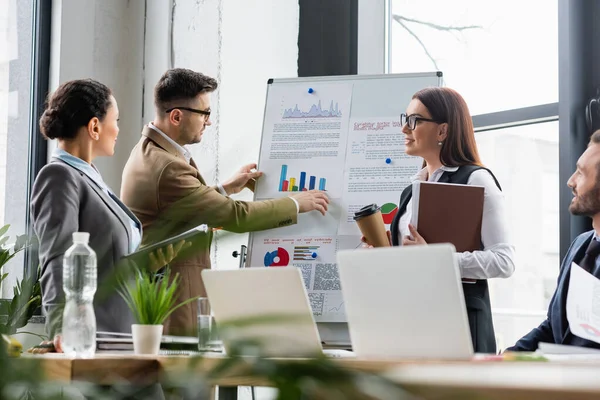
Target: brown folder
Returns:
[448, 213]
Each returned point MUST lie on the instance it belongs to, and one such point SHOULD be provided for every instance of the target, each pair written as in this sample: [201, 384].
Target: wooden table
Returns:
[426, 379]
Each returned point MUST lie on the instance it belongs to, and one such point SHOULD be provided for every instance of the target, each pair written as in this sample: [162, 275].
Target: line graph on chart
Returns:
[337, 309]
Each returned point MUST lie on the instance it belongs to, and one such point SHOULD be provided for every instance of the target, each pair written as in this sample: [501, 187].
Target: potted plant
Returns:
[16, 312]
[152, 300]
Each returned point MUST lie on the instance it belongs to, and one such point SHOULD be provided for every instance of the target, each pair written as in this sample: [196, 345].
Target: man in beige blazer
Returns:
[163, 187]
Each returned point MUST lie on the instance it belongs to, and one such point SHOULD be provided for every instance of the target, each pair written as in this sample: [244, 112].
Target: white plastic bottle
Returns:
[79, 285]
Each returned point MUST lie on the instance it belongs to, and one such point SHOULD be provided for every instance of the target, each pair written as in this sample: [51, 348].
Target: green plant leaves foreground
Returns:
[151, 298]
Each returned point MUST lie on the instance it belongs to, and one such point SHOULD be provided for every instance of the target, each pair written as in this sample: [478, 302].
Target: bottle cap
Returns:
[81, 237]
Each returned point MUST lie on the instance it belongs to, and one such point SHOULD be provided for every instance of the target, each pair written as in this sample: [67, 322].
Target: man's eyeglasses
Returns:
[203, 112]
[411, 120]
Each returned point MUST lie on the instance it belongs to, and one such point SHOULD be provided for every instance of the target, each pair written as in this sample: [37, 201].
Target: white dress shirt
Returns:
[496, 260]
[184, 152]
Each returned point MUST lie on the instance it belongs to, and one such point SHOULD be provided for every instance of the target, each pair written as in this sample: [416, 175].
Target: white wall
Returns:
[258, 43]
[372, 36]
[241, 44]
[129, 44]
[103, 40]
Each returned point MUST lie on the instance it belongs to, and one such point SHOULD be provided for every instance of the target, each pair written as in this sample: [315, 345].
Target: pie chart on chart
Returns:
[277, 258]
[388, 212]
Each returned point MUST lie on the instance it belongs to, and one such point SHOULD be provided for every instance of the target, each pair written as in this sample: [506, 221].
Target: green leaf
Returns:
[4, 229]
[151, 299]
[4, 257]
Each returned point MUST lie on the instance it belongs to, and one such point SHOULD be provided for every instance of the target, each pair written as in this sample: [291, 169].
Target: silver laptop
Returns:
[266, 305]
[405, 302]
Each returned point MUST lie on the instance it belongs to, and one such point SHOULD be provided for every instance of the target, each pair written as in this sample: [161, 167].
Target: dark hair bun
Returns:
[51, 125]
[72, 106]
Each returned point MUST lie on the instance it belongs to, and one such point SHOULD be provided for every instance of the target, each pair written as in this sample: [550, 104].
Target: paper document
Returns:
[304, 145]
[583, 304]
[315, 257]
[377, 169]
[553, 348]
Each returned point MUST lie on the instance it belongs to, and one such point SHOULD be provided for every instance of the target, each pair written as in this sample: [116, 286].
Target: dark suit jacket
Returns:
[65, 200]
[555, 329]
[169, 196]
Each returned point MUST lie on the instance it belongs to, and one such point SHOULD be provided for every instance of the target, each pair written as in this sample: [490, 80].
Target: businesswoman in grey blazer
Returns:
[69, 195]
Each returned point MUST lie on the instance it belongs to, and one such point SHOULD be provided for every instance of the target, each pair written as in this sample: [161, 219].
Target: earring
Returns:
[96, 137]
[440, 143]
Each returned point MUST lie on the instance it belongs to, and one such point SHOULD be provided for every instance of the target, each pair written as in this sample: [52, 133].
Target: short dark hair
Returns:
[595, 138]
[181, 84]
[72, 106]
[447, 105]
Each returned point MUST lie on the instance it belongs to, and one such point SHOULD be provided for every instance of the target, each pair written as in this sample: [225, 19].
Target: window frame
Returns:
[40, 80]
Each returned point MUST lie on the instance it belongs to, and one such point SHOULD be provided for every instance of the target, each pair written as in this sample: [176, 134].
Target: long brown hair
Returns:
[446, 105]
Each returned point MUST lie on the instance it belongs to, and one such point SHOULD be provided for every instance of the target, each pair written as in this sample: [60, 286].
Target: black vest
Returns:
[477, 298]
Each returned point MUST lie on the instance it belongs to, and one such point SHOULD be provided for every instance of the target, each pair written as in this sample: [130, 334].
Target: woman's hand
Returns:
[414, 237]
[160, 258]
[48, 346]
[366, 245]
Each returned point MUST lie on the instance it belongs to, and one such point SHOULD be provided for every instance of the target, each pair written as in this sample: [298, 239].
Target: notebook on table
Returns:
[116, 341]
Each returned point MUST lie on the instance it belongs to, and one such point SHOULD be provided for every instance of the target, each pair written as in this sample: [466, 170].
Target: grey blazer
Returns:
[65, 200]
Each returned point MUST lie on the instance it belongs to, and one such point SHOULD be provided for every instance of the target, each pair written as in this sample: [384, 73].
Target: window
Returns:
[515, 155]
[24, 39]
[503, 58]
[499, 55]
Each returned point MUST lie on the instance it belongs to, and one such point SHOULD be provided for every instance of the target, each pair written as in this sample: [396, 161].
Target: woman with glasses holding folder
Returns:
[438, 127]
[69, 195]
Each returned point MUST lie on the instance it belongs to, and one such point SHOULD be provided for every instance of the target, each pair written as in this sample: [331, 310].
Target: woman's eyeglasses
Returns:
[411, 120]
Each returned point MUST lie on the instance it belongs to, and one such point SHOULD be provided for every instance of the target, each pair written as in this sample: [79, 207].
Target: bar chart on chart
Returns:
[305, 253]
[301, 182]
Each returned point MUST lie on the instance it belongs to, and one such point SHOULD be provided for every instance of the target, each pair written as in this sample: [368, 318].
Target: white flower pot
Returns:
[146, 338]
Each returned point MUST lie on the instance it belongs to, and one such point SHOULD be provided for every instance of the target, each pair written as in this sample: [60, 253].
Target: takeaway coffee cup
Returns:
[370, 223]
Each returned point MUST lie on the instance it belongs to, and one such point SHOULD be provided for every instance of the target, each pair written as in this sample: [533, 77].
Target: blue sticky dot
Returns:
[314, 255]
[388, 160]
[310, 90]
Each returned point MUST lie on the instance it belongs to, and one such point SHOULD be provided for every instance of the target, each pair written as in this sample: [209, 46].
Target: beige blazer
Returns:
[169, 196]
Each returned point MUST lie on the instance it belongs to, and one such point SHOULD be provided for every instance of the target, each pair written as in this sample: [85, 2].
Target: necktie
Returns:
[591, 253]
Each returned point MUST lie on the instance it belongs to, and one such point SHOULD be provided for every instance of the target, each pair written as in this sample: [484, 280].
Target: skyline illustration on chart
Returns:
[315, 111]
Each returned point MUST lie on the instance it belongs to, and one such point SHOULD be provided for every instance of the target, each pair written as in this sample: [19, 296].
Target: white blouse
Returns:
[496, 260]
